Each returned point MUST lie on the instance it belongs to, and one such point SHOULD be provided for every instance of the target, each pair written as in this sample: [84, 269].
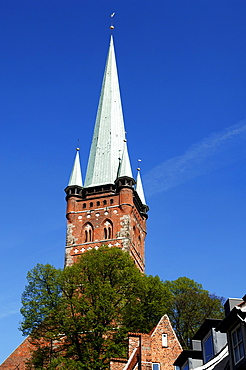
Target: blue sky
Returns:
[183, 82]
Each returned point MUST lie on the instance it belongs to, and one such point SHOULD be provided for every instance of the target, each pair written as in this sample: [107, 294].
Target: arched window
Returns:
[88, 232]
[108, 229]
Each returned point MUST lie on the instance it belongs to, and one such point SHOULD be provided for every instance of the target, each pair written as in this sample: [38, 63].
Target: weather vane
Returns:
[139, 160]
[112, 21]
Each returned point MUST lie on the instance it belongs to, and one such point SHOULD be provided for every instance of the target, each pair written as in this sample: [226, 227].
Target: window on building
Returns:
[91, 204]
[156, 366]
[208, 347]
[98, 204]
[185, 366]
[88, 230]
[108, 230]
[164, 340]
[111, 201]
[84, 205]
[237, 344]
[105, 202]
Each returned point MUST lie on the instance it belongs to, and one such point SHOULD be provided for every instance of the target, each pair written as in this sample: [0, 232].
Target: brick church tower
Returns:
[110, 207]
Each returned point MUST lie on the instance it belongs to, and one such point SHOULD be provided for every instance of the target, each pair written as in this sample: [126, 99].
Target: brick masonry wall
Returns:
[17, 359]
[133, 342]
[164, 355]
[96, 211]
[146, 354]
[117, 364]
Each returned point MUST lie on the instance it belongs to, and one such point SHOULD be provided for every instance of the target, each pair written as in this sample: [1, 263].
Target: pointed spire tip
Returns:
[109, 132]
[76, 175]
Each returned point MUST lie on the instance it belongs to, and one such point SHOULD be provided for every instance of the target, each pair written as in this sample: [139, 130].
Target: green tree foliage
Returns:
[189, 306]
[40, 297]
[78, 318]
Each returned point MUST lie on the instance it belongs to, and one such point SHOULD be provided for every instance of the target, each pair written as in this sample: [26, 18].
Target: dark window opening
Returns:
[237, 345]
[88, 233]
[208, 348]
[108, 230]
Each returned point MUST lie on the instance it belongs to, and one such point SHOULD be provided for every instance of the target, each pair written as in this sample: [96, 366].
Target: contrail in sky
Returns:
[213, 152]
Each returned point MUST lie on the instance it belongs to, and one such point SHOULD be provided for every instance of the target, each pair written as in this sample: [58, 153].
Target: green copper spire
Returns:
[109, 133]
[76, 176]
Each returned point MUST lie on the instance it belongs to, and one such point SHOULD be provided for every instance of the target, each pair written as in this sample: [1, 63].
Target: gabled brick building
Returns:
[154, 351]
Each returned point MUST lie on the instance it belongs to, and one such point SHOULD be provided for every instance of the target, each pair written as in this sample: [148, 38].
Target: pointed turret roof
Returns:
[76, 176]
[125, 167]
[109, 132]
[139, 188]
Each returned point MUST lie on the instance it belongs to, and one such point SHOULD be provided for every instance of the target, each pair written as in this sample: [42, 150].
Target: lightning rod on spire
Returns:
[112, 22]
[139, 160]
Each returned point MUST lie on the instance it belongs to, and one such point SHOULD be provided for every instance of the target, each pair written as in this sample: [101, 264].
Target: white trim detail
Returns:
[130, 358]
[212, 363]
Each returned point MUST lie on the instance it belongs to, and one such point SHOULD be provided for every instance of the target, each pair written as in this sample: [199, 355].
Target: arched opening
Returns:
[88, 233]
[108, 229]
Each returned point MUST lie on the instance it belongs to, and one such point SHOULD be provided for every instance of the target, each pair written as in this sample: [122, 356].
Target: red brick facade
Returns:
[111, 216]
[17, 359]
[143, 351]
[161, 347]
[114, 218]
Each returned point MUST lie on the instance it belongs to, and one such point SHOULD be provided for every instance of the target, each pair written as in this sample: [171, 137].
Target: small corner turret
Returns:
[124, 173]
[139, 193]
[75, 184]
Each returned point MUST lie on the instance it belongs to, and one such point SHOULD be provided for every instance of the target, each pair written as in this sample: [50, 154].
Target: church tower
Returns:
[110, 207]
